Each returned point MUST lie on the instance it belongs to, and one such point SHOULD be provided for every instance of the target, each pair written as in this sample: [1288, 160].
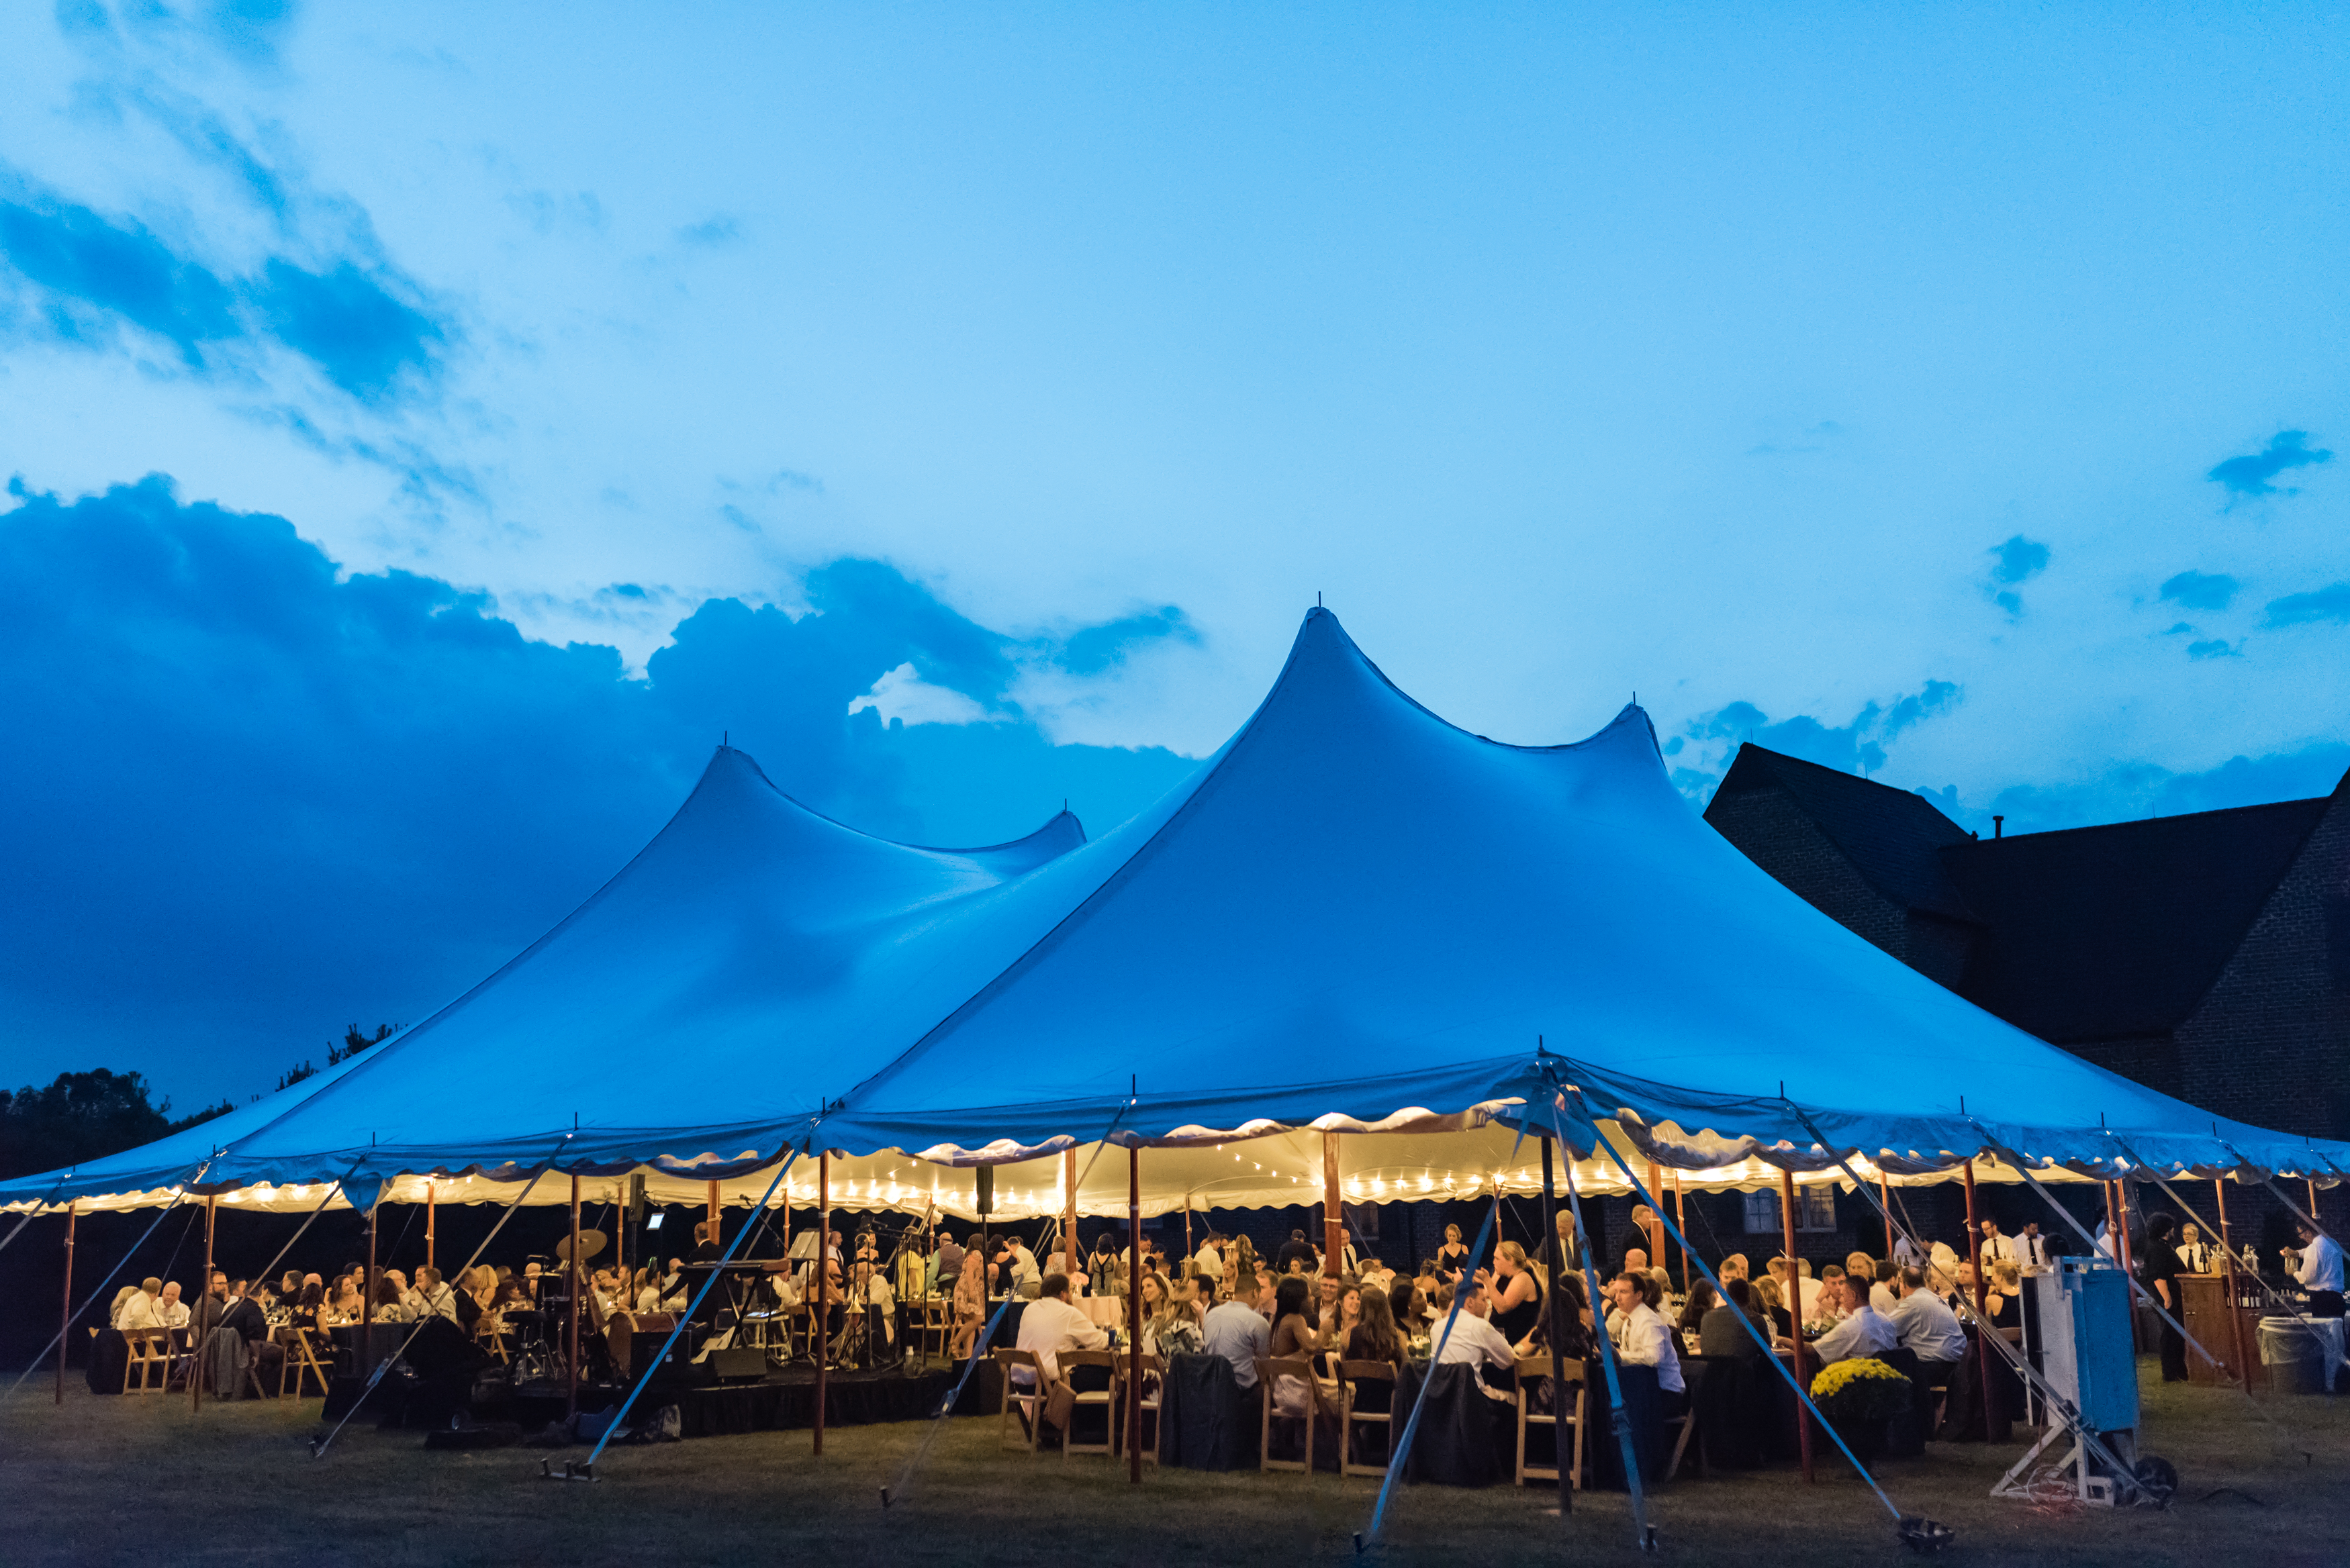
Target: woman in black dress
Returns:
[1517, 1292]
[1453, 1257]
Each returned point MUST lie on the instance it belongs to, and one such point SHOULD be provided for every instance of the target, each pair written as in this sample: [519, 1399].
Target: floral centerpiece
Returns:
[1860, 1396]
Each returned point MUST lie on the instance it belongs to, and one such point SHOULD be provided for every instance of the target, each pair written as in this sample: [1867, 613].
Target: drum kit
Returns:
[538, 1330]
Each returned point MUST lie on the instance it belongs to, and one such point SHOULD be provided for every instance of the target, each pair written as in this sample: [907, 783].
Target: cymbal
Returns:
[590, 1243]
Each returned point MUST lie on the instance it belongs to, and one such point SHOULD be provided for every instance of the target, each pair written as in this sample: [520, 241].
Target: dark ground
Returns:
[107, 1481]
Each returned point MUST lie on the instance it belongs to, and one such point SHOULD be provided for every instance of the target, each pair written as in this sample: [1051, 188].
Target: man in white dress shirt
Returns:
[1995, 1245]
[171, 1311]
[2320, 1270]
[1863, 1330]
[1926, 1328]
[140, 1311]
[1049, 1325]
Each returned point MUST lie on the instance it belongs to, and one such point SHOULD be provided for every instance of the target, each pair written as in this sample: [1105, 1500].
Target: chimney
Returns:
[1999, 827]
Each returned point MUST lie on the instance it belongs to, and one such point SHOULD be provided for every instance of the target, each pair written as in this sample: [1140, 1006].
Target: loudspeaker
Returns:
[986, 1174]
[734, 1365]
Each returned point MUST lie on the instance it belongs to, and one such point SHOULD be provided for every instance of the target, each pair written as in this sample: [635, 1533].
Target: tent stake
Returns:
[1795, 1317]
[65, 1307]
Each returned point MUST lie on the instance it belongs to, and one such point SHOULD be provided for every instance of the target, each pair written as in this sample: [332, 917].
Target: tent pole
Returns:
[1557, 1326]
[203, 1295]
[1187, 1221]
[1982, 1316]
[2235, 1308]
[713, 1215]
[1681, 1222]
[429, 1217]
[1133, 1314]
[1334, 1218]
[823, 1270]
[1655, 1228]
[571, 1290]
[65, 1309]
[1795, 1316]
[1884, 1192]
[1069, 1220]
[2119, 1214]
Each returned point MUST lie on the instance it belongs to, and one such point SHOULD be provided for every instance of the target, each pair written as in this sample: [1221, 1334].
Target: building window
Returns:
[1815, 1210]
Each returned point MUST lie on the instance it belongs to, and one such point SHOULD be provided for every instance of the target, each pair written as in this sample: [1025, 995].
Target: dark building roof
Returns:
[1893, 839]
[2086, 933]
[2121, 929]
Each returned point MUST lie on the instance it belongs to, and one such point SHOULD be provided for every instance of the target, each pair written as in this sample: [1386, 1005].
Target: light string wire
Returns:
[979, 1342]
[578, 1282]
[2016, 1360]
[1753, 1331]
[319, 1446]
[179, 1196]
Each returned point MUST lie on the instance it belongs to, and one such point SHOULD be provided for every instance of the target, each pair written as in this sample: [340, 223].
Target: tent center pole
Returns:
[1680, 1223]
[1558, 1305]
[821, 1332]
[64, 1308]
[1795, 1317]
[2119, 1217]
[429, 1218]
[1983, 1315]
[1133, 1314]
[1334, 1217]
[1885, 1194]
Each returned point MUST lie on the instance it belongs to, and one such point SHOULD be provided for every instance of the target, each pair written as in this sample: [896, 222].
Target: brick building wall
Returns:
[1767, 826]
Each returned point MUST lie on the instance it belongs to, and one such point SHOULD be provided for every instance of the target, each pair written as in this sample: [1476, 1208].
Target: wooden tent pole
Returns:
[1885, 1194]
[1983, 1330]
[1334, 1217]
[429, 1216]
[1133, 1314]
[1069, 1217]
[823, 1269]
[1654, 1231]
[1556, 1307]
[1795, 1317]
[205, 1293]
[1681, 1222]
[2235, 1309]
[713, 1215]
[64, 1308]
[572, 1288]
[2119, 1213]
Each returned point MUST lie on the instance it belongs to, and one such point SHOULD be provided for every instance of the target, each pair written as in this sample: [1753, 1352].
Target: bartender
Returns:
[2320, 1270]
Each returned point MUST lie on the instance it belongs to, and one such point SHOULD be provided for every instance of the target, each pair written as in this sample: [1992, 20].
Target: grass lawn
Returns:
[141, 1481]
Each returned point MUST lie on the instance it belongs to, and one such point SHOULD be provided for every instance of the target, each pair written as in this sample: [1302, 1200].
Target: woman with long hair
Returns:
[1374, 1337]
[1517, 1292]
[1168, 1327]
[970, 1305]
[1702, 1301]
[1292, 1336]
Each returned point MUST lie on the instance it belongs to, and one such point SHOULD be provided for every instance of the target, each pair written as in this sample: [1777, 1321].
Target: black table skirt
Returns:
[109, 1354]
[851, 1399]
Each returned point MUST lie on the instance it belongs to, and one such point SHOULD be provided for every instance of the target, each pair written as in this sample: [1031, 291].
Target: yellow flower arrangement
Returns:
[1861, 1389]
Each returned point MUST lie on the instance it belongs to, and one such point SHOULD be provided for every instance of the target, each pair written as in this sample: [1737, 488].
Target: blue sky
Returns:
[431, 427]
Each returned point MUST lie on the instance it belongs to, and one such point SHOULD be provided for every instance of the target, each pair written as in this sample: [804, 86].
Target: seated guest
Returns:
[1771, 1300]
[139, 1312]
[1636, 1260]
[243, 1317]
[1294, 1335]
[1376, 1274]
[171, 1311]
[1734, 1267]
[434, 1296]
[1472, 1340]
[1339, 1319]
[1831, 1298]
[311, 1305]
[1580, 1342]
[970, 1297]
[1861, 1331]
[1927, 1328]
[1404, 1305]
[290, 1286]
[1702, 1301]
[1723, 1330]
[389, 1308]
[1643, 1338]
[121, 1303]
[1374, 1337]
[1236, 1331]
[1050, 1325]
[950, 1258]
[1168, 1327]
[2006, 1285]
[1862, 1267]
[1429, 1276]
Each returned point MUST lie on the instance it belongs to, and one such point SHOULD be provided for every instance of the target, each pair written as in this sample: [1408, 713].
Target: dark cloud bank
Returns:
[252, 800]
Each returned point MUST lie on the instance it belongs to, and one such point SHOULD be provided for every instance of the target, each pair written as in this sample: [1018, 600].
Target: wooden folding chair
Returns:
[1030, 1404]
[148, 1359]
[1529, 1368]
[1106, 1400]
[1350, 1374]
[1687, 1422]
[1151, 1394]
[301, 1363]
[1267, 1370]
